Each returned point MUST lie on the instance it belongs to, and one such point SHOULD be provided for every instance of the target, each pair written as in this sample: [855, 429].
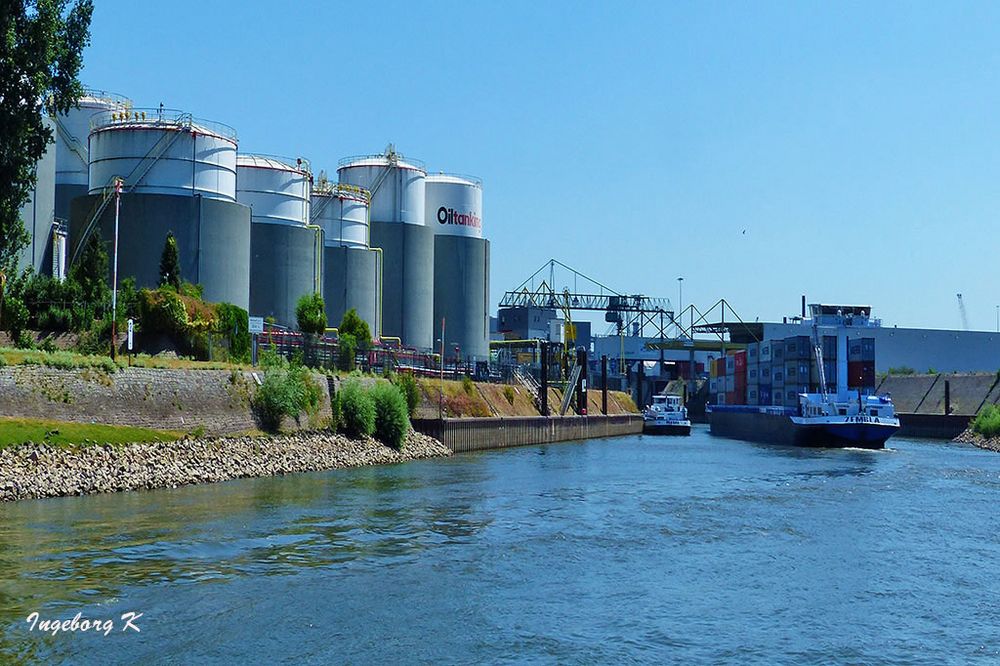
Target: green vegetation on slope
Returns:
[20, 431]
[987, 421]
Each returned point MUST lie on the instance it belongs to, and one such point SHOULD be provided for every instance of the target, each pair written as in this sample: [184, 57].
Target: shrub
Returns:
[234, 323]
[347, 347]
[170, 265]
[392, 422]
[408, 386]
[902, 370]
[310, 313]
[468, 386]
[24, 340]
[286, 390]
[987, 421]
[352, 324]
[336, 412]
[508, 392]
[162, 311]
[357, 410]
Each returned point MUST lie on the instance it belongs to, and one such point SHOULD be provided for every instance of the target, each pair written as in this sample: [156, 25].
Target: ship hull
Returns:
[678, 429]
[787, 430]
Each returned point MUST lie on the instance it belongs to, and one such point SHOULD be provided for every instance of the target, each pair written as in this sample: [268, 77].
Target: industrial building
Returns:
[454, 208]
[259, 231]
[286, 250]
[351, 268]
[397, 226]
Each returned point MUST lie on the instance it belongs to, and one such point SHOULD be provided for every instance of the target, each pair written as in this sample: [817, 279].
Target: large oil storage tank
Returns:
[350, 267]
[397, 228]
[179, 176]
[46, 243]
[454, 208]
[286, 252]
[72, 131]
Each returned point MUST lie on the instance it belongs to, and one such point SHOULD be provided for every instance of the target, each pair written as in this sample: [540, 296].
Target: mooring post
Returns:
[604, 384]
[544, 397]
[947, 397]
[638, 384]
[581, 385]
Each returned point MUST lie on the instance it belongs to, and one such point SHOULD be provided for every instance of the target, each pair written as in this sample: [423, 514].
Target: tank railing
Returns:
[299, 163]
[475, 180]
[342, 188]
[347, 161]
[157, 117]
[105, 95]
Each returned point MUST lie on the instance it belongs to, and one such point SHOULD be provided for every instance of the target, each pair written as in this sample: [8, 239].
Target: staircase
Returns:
[530, 385]
[570, 391]
[130, 181]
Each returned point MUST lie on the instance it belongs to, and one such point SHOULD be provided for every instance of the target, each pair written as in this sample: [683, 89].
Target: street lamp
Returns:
[680, 302]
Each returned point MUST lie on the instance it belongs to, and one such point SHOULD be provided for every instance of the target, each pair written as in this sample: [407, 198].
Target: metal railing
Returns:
[157, 117]
[296, 163]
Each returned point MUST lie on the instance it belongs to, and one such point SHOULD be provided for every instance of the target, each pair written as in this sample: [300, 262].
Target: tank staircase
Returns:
[131, 181]
[74, 144]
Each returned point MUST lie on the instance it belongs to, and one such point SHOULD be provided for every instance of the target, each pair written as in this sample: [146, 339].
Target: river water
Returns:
[634, 549]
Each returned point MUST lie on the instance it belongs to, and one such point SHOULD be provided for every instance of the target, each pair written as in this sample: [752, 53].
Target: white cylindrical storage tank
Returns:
[163, 151]
[461, 263]
[454, 205]
[396, 184]
[275, 188]
[407, 244]
[342, 211]
[72, 131]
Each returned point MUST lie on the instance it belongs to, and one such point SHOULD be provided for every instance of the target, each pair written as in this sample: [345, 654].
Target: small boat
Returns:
[666, 416]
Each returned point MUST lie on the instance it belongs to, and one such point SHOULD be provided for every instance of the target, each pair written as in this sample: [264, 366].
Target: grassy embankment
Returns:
[68, 360]
[987, 422]
[16, 431]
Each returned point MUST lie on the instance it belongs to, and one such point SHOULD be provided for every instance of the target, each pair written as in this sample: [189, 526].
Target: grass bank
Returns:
[14, 431]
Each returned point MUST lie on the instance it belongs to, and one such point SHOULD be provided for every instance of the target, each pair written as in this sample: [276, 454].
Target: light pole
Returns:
[680, 304]
[998, 319]
[114, 273]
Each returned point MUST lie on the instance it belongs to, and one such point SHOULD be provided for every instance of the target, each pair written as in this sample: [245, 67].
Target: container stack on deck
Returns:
[775, 372]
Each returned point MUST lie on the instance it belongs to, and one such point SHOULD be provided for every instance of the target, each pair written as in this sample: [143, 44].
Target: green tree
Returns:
[311, 314]
[91, 272]
[352, 324]
[170, 263]
[347, 348]
[41, 53]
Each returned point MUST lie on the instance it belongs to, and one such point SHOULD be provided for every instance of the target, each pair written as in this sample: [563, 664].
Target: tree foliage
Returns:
[41, 54]
[170, 263]
[352, 324]
[392, 421]
[310, 313]
[90, 272]
[357, 417]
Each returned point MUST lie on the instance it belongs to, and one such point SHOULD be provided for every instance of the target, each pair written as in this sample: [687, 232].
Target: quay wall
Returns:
[477, 434]
[216, 401]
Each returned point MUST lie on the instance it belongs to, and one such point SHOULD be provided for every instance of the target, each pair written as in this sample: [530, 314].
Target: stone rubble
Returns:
[974, 438]
[34, 471]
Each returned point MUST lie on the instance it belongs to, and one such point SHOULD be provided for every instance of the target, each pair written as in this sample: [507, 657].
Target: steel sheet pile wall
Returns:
[180, 178]
[454, 208]
[398, 228]
[285, 253]
[350, 278]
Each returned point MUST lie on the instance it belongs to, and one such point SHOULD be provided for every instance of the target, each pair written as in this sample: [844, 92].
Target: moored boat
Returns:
[666, 416]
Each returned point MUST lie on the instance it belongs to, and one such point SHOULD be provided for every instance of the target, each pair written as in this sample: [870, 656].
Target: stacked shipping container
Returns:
[775, 372]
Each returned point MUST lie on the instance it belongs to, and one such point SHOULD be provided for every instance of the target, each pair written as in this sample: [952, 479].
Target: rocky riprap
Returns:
[974, 438]
[39, 470]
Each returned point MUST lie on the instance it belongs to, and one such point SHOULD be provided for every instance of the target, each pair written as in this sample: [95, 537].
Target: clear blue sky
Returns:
[857, 146]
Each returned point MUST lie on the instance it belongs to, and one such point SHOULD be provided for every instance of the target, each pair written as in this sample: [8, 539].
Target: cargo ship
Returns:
[812, 389]
[666, 416]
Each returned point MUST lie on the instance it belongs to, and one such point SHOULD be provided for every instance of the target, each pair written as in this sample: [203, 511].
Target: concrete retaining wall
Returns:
[933, 426]
[477, 434]
[182, 400]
